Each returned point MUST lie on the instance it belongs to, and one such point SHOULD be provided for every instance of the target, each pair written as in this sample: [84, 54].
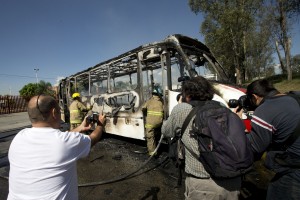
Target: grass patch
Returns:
[280, 83]
[285, 86]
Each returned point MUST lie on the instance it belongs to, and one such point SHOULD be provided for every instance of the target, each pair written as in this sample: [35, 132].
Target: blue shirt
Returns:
[273, 122]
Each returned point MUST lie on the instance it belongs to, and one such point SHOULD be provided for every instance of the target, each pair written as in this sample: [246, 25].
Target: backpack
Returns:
[225, 152]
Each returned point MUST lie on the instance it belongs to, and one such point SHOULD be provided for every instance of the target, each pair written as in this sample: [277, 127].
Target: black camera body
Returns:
[183, 78]
[244, 102]
[93, 118]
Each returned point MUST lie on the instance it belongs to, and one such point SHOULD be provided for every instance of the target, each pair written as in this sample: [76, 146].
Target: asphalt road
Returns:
[13, 121]
[5, 140]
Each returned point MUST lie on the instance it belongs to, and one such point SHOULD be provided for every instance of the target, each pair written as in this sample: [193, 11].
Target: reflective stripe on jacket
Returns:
[155, 112]
[76, 112]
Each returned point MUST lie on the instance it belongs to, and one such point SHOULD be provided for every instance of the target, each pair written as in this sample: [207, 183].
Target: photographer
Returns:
[273, 122]
[43, 159]
[198, 182]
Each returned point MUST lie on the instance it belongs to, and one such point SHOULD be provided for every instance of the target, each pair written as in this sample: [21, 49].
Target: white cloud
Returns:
[277, 69]
[58, 79]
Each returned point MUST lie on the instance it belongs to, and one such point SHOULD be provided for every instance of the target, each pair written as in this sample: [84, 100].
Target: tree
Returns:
[228, 27]
[33, 89]
[240, 33]
[295, 63]
[284, 12]
[260, 47]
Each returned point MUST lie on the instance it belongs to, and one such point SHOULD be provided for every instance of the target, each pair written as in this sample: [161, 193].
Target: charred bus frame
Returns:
[120, 86]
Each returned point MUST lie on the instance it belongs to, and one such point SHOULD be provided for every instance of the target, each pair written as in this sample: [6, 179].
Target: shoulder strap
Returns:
[190, 116]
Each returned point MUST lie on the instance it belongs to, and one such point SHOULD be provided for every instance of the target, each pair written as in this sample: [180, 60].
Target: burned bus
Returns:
[119, 86]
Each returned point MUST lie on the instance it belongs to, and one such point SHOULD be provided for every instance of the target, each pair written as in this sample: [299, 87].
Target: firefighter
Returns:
[77, 111]
[153, 110]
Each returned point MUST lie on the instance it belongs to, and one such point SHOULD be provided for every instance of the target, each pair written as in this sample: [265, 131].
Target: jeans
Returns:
[285, 187]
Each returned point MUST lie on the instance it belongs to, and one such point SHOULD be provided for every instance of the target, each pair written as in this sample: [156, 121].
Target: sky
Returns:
[50, 39]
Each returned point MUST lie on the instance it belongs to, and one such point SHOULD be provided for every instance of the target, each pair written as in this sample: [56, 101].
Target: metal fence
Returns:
[12, 104]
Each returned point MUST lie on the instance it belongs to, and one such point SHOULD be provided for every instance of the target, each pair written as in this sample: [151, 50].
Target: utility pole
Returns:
[36, 70]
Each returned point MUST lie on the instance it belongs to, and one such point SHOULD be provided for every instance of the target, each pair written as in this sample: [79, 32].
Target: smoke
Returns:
[58, 79]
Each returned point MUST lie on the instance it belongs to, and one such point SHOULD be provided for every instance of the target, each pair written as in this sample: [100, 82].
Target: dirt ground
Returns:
[113, 158]
[117, 168]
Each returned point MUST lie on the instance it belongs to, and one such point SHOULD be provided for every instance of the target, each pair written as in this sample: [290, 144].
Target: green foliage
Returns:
[230, 29]
[28, 91]
[296, 63]
[241, 33]
[33, 89]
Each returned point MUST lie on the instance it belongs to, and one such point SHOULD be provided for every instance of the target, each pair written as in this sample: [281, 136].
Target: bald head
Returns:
[39, 108]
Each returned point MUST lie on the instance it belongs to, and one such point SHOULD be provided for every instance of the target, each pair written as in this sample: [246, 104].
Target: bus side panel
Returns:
[123, 116]
[126, 127]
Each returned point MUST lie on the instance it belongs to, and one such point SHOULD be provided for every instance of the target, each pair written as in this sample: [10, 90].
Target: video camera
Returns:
[183, 78]
[93, 118]
[244, 102]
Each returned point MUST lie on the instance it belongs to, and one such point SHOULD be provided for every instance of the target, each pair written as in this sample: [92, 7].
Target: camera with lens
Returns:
[183, 78]
[244, 102]
[93, 118]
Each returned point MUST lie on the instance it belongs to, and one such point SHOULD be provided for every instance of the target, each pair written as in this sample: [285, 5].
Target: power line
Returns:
[21, 76]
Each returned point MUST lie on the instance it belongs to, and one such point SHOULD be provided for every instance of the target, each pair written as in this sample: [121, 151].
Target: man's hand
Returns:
[101, 119]
[239, 112]
[97, 133]
[84, 126]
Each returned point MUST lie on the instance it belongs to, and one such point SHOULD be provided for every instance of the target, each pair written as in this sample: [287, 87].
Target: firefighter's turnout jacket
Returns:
[155, 112]
[77, 110]
[154, 118]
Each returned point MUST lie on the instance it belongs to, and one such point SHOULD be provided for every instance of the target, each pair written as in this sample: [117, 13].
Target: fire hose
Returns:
[123, 177]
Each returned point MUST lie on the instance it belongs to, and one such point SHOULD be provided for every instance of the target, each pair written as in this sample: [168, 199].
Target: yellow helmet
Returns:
[76, 94]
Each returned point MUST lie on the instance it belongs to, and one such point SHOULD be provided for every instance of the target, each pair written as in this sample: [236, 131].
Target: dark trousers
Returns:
[285, 187]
